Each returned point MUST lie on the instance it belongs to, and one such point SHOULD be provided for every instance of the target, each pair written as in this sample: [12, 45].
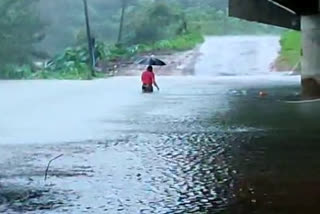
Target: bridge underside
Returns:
[283, 13]
[307, 7]
[263, 11]
[297, 15]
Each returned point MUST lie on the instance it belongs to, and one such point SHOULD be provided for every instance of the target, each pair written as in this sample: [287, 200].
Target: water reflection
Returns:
[278, 166]
[204, 144]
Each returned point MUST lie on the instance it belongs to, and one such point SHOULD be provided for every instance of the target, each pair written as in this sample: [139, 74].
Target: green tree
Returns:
[151, 21]
[123, 9]
[124, 6]
[218, 4]
[20, 30]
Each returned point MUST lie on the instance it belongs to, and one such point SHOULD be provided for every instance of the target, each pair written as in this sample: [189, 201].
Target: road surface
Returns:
[184, 149]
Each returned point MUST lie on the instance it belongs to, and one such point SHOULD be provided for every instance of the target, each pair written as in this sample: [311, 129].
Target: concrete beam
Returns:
[263, 11]
[309, 7]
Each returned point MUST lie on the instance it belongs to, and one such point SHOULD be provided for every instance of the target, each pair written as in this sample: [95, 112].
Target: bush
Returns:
[290, 50]
[73, 62]
[179, 43]
[15, 72]
[291, 46]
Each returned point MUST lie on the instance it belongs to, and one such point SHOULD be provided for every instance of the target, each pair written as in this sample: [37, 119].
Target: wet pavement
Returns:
[204, 144]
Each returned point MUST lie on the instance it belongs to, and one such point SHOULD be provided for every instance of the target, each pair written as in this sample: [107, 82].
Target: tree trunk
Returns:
[123, 9]
[90, 44]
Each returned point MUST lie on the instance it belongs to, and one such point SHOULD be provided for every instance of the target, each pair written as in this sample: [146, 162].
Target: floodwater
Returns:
[204, 144]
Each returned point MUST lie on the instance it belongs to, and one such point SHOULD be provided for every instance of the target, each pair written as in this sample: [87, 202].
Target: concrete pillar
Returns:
[310, 76]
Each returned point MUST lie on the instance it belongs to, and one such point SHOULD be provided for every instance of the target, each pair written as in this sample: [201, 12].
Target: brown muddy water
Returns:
[204, 144]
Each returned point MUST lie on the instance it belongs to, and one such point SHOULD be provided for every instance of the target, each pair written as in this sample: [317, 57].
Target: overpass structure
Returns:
[292, 14]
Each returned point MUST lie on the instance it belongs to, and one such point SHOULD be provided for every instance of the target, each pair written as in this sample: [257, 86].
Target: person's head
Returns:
[150, 68]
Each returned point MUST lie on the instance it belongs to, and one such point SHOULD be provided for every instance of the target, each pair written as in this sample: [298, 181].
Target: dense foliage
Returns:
[144, 21]
[136, 26]
[20, 29]
[290, 52]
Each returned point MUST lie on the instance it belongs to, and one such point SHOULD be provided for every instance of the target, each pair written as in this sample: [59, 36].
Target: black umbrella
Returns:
[151, 61]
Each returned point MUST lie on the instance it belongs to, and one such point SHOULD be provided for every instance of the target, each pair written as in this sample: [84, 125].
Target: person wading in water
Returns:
[148, 80]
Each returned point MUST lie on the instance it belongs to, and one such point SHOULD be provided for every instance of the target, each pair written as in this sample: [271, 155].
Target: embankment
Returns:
[290, 54]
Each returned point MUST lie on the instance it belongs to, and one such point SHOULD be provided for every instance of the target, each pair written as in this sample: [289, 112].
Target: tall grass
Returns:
[290, 53]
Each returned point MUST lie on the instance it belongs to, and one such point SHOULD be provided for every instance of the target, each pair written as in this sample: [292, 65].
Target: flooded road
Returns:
[204, 144]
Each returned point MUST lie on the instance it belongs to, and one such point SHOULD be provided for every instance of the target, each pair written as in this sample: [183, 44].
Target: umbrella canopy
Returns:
[151, 61]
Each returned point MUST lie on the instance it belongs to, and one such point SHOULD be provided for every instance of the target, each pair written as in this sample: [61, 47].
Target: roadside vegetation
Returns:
[47, 39]
[290, 54]
[72, 63]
